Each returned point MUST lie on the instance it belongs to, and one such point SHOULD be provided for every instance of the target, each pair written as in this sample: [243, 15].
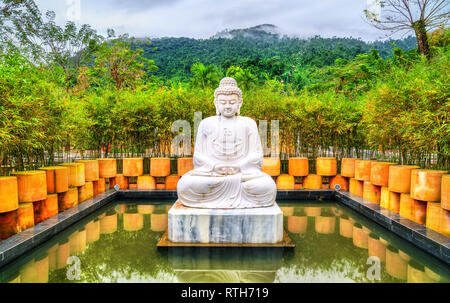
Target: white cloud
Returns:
[204, 18]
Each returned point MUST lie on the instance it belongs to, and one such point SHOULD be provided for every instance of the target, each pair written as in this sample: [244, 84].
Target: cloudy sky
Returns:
[204, 18]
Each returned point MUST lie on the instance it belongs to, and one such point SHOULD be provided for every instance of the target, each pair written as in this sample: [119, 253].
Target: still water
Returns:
[118, 244]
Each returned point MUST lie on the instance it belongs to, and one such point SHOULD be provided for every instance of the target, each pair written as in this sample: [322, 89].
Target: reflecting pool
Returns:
[118, 244]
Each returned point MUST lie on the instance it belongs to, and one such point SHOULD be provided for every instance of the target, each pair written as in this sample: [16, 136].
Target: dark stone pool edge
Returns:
[17, 245]
[434, 243]
[428, 240]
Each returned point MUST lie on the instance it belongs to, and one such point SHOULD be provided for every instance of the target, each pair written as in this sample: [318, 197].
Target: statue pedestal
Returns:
[238, 226]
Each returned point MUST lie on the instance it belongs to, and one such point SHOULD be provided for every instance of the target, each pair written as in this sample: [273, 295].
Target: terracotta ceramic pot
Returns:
[348, 167]
[394, 202]
[91, 170]
[426, 184]
[31, 186]
[299, 167]
[133, 167]
[339, 180]
[76, 174]
[356, 187]
[146, 183]
[99, 186]
[9, 196]
[400, 178]
[57, 179]
[160, 167]
[445, 192]
[120, 180]
[285, 182]
[326, 167]
[379, 173]
[172, 182]
[185, 165]
[68, 199]
[363, 169]
[312, 182]
[107, 168]
[272, 166]
[371, 192]
[85, 192]
[434, 216]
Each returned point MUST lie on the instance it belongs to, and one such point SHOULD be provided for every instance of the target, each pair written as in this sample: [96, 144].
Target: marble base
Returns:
[242, 226]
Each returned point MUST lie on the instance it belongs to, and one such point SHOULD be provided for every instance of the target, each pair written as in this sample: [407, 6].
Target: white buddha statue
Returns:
[228, 159]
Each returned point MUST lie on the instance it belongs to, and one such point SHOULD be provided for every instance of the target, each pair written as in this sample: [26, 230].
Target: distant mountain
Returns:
[263, 49]
[263, 31]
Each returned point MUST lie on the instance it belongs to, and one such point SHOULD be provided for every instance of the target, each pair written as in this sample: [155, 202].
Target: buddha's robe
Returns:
[222, 141]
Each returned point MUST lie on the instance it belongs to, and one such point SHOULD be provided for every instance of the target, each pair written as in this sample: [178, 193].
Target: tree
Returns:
[244, 77]
[421, 16]
[67, 48]
[118, 62]
[204, 76]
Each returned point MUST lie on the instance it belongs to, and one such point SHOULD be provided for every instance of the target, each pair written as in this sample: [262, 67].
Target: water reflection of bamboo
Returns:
[313, 211]
[325, 225]
[53, 257]
[146, 209]
[396, 266]
[133, 222]
[345, 227]
[416, 273]
[376, 247]
[35, 271]
[297, 225]
[62, 254]
[92, 231]
[108, 224]
[360, 237]
[287, 211]
[78, 242]
[159, 222]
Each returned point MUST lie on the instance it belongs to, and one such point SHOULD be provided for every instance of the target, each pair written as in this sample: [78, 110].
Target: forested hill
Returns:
[258, 49]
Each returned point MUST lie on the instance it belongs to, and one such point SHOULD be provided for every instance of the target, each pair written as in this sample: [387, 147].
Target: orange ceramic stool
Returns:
[272, 166]
[379, 174]
[312, 182]
[146, 183]
[285, 182]
[25, 216]
[107, 168]
[99, 186]
[57, 179]
[133, 167]
[356, 187]
[434, 216]
[120, 180]
[9, 196]
[299, 167]
[91, 170]
[384, 197]
[363, 169]
[85, 192]
[160, 167]
[341, 181]
[394, 202]
[400, 178]
[68, 199]
[326, 167]
[445, 192]
[426, 184]
[46, 209]
[31, 186]
[185, 165]
[371, 192]
[348, 167]
[172, 182]
[76, 174]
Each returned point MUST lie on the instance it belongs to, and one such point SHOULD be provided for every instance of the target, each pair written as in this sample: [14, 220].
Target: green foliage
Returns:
[205, 76]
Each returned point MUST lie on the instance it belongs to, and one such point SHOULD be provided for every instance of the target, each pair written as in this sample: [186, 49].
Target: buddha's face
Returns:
[228, 105]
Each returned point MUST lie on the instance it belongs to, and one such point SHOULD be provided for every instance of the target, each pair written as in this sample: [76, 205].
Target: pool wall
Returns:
[428, 240]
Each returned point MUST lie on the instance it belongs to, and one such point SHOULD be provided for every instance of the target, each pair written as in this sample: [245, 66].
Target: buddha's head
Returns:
[228, 98]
